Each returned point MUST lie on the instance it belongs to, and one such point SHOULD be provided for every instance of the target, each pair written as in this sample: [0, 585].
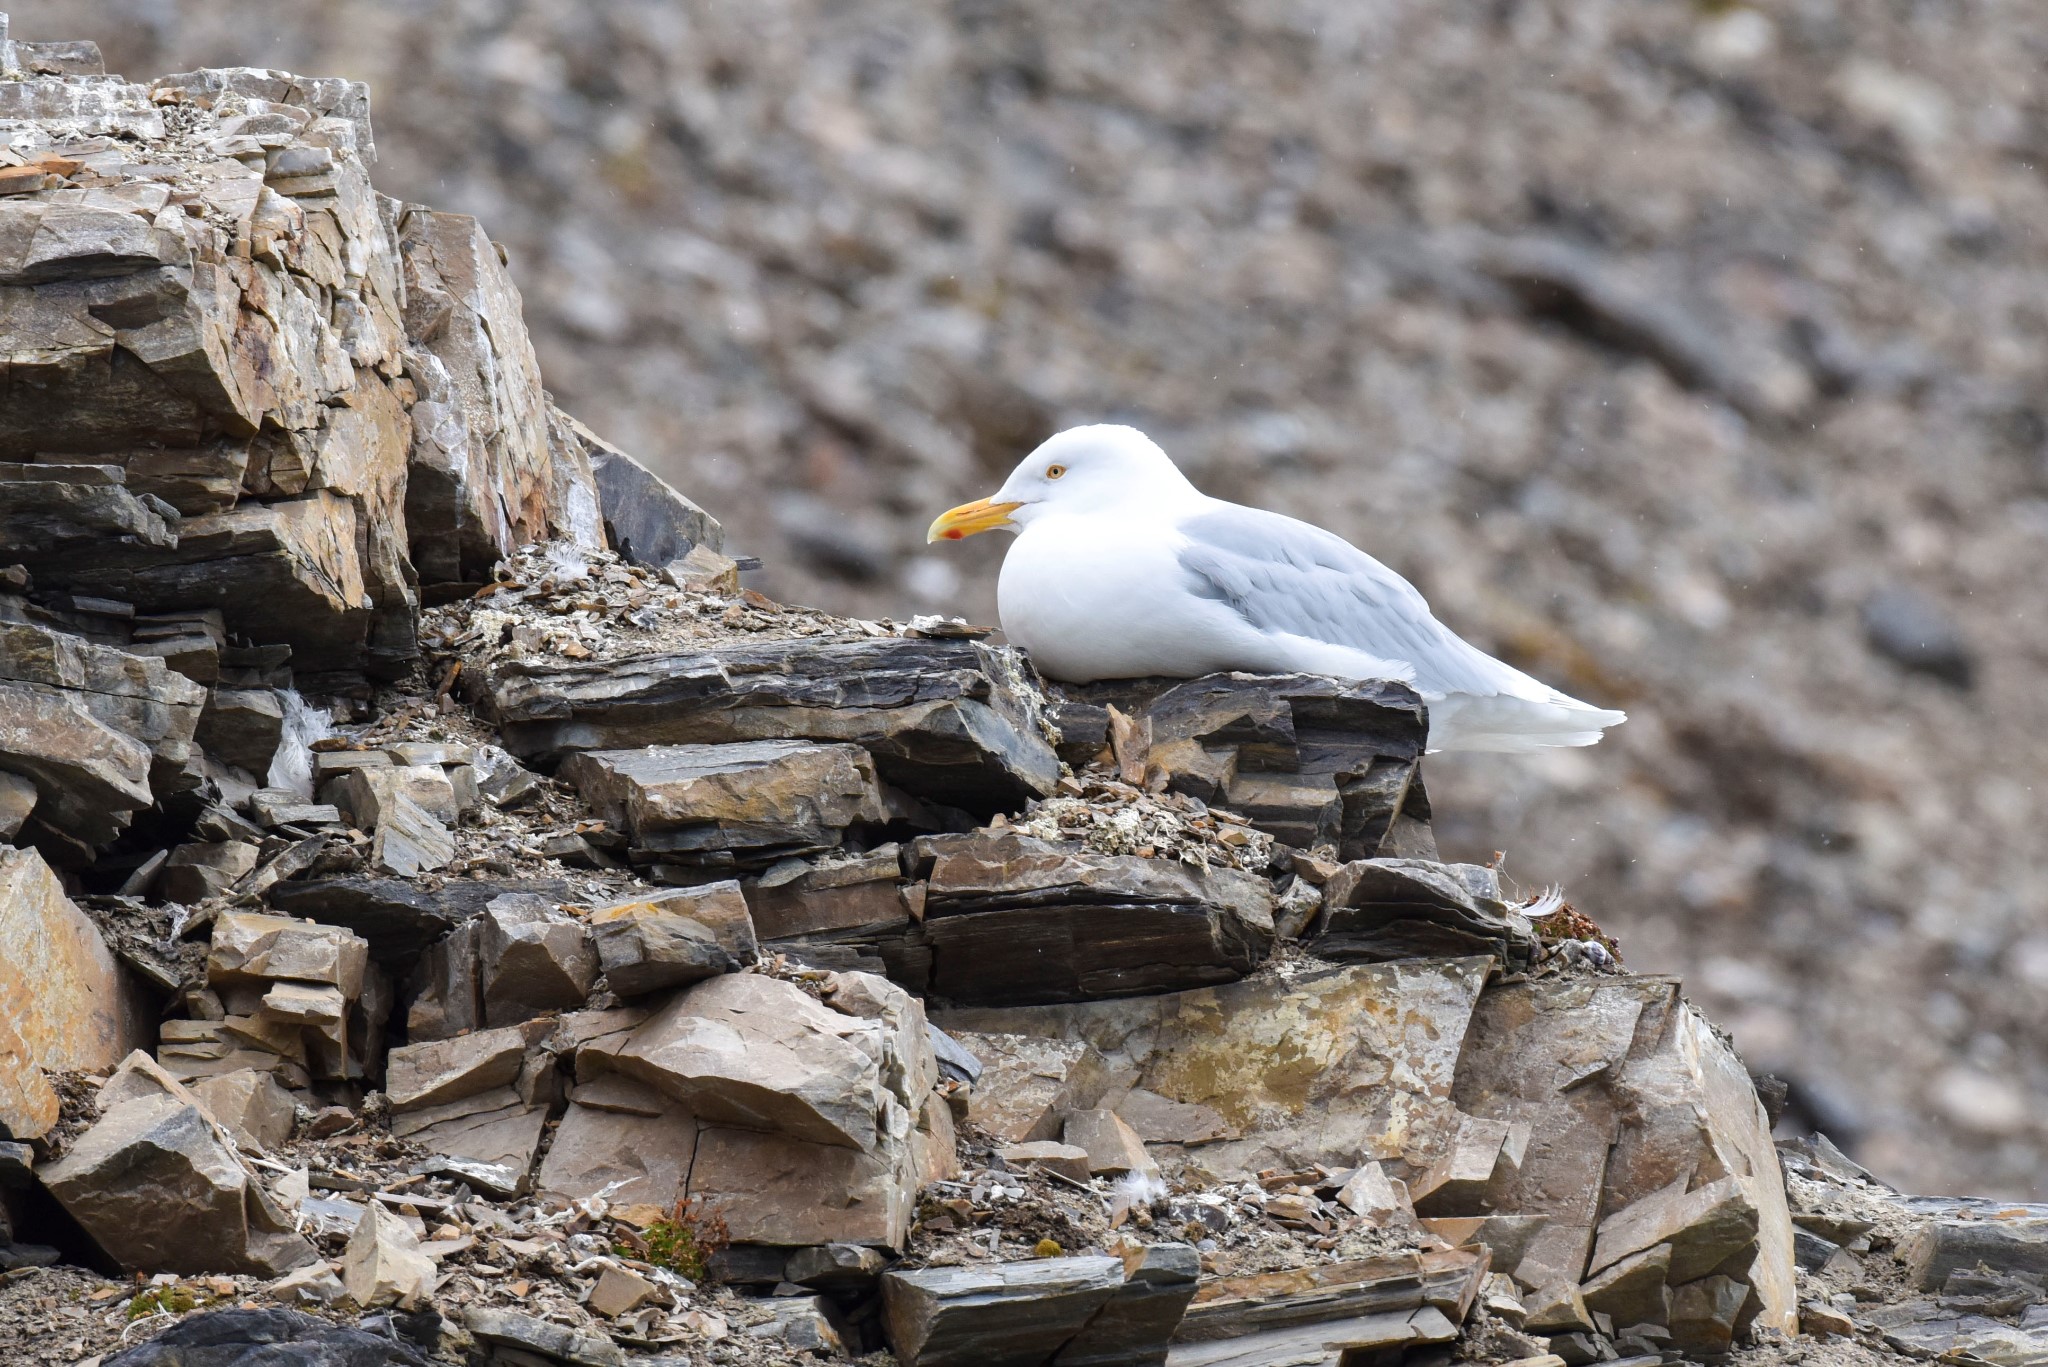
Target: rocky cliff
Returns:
[448, 918]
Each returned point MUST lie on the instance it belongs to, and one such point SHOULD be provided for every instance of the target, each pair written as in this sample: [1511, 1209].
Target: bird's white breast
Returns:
[1097, 597]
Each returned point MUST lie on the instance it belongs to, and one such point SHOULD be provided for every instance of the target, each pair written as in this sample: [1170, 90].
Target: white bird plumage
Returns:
[1123, 569]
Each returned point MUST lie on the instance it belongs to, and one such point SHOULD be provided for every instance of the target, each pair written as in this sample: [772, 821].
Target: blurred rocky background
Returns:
[1688, 355]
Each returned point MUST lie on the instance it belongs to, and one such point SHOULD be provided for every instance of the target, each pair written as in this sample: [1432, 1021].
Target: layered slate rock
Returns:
[101, 733]
[160, 1189]
[1011, 919]
[621, 1135]
[1311, 760]
[1140, 1318]
[1330, 1309]
[299, 999]
[1417, 908]
[1008, 1315]
[1334, 1067]
[1961, 1232]
[648, 944]
[719, 806]
[398, 918]
[799, 1120]
[1070, 1312]
[1649, 1167]
[491, 468]
[63, 1004]
[482, 1097]
[271, 405]
[953, 722]
[845, 910]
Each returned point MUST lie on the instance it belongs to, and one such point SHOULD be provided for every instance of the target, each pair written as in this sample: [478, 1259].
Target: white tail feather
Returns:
[1502, 722]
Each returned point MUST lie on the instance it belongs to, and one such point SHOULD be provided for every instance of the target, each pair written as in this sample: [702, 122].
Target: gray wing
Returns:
[1282, 575]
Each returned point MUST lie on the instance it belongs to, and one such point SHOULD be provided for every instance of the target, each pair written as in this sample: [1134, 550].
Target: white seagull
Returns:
[1123, 569]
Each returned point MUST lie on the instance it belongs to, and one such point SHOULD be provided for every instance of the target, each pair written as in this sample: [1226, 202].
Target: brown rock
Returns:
[771, 1189]
[760, 1053]
[1112, 1146]
[621, 1291]
[1068, 1160]
[1331, 1067]
[760, 799]
[98, 730]
[1482, 1154]
[242, 727]
[1161, 1120]
[1137, 1324]
[487, 474]
[949, 721]
[1958, 1235]
[1310, 760]
[366, 794]
[1704, 1313]
[537, 1340]
[158, 1189]
[1373, 1196]
[448, 983]
[1009, 1313]
[1363, 1337]
[274, 807]
[1699, 1118]
[251, 1104]
[1226, 1308]
[1547, 1055]
[422, 1075]
[804, 1324]
[287, 571]
[1632, 1290]
[313, 1284]
[498, 1130]
[645, 519]
[63, 1004]
[1028, 1086]
[673, 939]
[17, 800]
[1015, 920]
[534, 959]
[249, 948]
[1377, 909]
[410, 840]
[199, 870]
[832, 894]
[1702, 1228]
[835, 1267]
[1557, 1309]
[648, 1148]
[383, 1265]
[1824, 1321]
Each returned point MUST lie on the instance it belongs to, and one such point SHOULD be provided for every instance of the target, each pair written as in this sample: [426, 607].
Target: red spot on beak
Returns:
[954, 536]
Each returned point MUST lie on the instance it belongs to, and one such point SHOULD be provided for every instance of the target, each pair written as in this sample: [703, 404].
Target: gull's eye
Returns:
[1055, 471]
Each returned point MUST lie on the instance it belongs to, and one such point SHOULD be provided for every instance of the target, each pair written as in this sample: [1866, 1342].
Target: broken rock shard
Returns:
[156, 1185]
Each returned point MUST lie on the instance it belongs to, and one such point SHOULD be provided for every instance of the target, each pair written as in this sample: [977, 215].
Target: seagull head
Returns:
[1100, 468]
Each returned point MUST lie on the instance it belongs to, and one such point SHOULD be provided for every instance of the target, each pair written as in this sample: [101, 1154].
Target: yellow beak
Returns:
[969, 518]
